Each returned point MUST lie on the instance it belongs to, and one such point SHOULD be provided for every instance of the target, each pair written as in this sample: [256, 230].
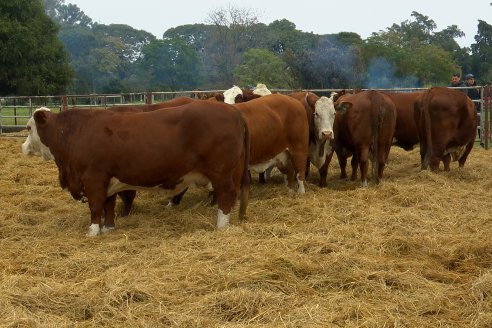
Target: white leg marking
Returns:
[94, 230]
[364, 184]
[222, 219]
[170, 204]
[300, 188]
[106, 229]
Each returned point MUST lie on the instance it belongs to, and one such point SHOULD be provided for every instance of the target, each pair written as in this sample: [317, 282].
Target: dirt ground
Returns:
[414, 251]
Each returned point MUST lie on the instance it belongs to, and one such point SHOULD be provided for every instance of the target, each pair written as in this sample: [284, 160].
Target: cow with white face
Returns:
[231, 94]
[321, 114]
[261, 90]
[33, 144]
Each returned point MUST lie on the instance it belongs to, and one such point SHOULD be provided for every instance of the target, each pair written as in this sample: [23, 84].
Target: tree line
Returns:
[49, 47]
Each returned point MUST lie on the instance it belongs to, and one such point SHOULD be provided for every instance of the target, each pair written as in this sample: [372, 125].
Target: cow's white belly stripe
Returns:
[279, 159]
[190, 179]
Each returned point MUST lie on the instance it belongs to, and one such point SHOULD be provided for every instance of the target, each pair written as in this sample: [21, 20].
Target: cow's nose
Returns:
[327, 135]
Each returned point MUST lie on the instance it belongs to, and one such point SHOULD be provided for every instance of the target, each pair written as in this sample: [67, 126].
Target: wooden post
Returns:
[64, 103]
[148, 98]
[487, 107]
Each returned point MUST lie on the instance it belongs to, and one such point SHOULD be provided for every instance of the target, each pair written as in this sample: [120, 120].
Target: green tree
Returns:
[262, 66]
[482, 53]
[169, 65]
[34, 61]
[410, 54]
[66, 14]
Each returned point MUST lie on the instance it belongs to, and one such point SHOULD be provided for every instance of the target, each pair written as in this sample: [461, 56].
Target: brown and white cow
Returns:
[100, 153]
[321, 117]
[279, 133]
[406, 133]
[364, 126]
[447, 126]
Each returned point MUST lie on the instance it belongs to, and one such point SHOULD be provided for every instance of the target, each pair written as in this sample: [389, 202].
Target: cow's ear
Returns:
[343, 106]
[41, 117]
[311, 99]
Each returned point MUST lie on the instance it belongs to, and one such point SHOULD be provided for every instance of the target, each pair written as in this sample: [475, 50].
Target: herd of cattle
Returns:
[217, 142]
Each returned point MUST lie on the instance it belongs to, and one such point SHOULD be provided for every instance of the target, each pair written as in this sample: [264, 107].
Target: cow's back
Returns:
[178, 101]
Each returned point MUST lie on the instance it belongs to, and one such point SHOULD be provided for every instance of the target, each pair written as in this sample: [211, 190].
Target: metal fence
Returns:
[16, 111]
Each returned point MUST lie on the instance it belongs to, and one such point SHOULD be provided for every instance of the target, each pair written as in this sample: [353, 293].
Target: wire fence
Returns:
[16, 111]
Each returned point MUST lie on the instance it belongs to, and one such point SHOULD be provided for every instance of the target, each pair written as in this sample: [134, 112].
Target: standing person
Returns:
[474, 94]
[456, 81]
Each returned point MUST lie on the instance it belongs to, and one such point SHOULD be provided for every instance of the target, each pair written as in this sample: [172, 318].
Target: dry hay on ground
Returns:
[414, 251]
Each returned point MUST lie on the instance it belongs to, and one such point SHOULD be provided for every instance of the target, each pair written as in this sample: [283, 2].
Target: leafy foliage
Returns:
[34, 61]
[232, 47]
[262, 66]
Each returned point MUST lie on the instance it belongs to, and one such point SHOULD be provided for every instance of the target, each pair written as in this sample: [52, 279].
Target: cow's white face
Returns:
[324, 118]
[261, 90]
[33, 144]
[230, 95]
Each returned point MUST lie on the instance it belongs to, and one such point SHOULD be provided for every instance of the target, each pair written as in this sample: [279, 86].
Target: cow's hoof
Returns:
[106, 229]
[94, 230]
[222, 220]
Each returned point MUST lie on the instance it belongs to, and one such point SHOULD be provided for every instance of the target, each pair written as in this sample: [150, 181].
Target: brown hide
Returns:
[276, 123]
[364, 125]
[406, 134]
[153, 149]
[446, 119]
[178, 101]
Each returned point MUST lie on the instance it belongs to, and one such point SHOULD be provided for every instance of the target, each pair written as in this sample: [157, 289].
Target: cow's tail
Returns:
[245, 178]
[425, 115]
[376, 121]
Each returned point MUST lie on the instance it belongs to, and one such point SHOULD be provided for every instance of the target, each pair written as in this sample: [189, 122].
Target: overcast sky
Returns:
[318, 16]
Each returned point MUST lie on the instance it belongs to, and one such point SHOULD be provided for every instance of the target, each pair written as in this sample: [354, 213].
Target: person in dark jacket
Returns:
[474, 94]
[456, 81]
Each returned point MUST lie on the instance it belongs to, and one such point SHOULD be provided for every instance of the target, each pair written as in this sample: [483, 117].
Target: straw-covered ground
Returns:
[414, 251]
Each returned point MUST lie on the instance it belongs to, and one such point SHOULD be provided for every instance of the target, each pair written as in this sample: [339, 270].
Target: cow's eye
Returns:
[28, 128]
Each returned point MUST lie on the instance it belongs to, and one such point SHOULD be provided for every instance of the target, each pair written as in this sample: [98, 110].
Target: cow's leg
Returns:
[446, 160]
[323, 170]
[363, 164]
[308, 169]
[287, 169]
[96, 206]
[261, 177]
[424, 161]
[355, 164]
[264, 176]
[342, 162]
[109, 214]
[469, 147]
[299, 163]
[95, 188]
[438, 155]
[127, 198]
[226, 193]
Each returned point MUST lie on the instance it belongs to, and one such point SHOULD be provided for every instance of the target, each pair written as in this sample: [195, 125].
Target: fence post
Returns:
[148, 98]
[64, 103]
[487, 107]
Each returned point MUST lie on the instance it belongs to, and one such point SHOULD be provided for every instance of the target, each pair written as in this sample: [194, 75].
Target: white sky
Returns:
[318, 16]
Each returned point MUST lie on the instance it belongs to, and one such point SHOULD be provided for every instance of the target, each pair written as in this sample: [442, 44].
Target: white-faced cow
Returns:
[447, 126]
[321, 117]
[100, 153]
[364, 126]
